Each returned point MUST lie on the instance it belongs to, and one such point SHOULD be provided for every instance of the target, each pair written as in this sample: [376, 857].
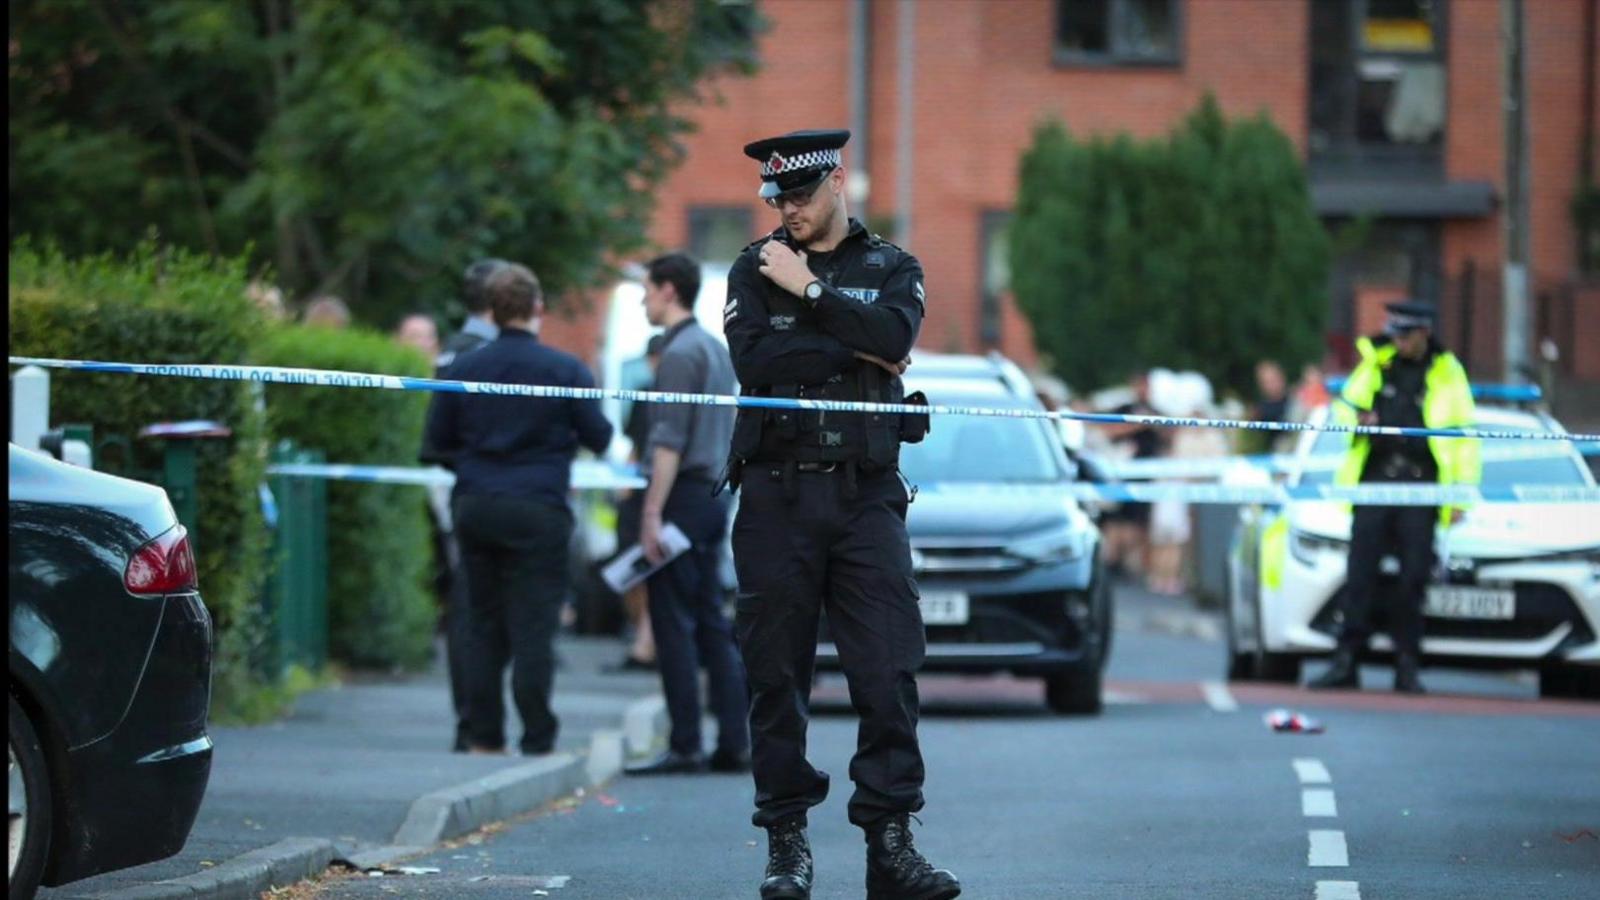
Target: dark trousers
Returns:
[515, 555]
[691, 629]
[824, 542]
[1375, 531]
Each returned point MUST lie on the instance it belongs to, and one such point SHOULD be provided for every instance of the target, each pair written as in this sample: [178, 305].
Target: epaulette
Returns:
[877, 242]
[762, 240]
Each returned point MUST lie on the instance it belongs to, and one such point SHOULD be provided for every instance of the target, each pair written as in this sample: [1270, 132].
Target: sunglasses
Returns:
[800, 196]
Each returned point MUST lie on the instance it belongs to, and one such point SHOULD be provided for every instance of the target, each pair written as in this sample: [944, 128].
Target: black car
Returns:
[110, 675]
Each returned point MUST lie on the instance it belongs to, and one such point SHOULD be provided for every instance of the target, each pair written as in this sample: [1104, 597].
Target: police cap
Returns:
[796, 160]
[1409, 314]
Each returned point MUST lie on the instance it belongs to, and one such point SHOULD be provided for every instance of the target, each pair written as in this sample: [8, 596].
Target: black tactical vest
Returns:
[871, 440]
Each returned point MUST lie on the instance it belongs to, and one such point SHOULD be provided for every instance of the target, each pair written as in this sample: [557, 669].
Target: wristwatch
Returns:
[813, 291]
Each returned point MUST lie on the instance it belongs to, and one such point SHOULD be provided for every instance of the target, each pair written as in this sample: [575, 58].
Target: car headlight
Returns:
[1309, 548]
[1052, 547]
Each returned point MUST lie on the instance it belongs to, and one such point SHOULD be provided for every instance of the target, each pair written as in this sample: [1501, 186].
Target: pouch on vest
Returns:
[915, 426]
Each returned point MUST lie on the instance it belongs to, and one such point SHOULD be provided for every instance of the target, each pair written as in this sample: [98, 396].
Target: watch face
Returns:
[814, 290]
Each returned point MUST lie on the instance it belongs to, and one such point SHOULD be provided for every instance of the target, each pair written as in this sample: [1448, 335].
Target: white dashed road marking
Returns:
[1312, 771]
[1318, 802]
[1217, 697]
[1327, 850]
[1338, 890]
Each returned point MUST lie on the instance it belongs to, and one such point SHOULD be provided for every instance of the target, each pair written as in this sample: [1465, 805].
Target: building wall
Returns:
[985, 78]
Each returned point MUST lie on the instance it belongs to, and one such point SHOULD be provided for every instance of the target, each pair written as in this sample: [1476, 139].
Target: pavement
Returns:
[361, 774]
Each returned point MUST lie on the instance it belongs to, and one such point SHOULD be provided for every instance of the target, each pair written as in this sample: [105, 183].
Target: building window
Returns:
[1378, 99]
[718, 233]
[1100, 32]
[995, 265]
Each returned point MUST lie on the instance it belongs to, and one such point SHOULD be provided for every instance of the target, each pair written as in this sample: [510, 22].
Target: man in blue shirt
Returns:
[513, 462]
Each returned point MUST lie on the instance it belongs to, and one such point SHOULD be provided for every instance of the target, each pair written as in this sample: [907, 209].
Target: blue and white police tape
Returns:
[1222, 466]
[587, 475]
[328, 378]
[1360, 494]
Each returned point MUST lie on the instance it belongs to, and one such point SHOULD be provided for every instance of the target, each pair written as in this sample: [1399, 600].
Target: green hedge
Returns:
[163, 306]
[380, 550]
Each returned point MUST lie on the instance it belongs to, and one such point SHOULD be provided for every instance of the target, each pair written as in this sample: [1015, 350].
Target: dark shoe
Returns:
[1406, 671]
[1344, 673]
[730, 761]
[631, 664]
[789, 869]
[896, 871]
[669, 763]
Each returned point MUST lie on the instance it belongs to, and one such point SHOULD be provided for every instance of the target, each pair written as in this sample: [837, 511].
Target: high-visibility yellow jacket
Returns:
[1446, 403]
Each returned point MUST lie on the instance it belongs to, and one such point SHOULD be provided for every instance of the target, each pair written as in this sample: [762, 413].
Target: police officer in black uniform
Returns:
[821, 309]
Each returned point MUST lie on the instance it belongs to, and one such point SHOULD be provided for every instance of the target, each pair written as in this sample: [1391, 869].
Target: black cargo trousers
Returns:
[804, 541]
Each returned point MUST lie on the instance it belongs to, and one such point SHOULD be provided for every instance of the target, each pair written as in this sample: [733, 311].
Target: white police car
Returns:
[1517, 584]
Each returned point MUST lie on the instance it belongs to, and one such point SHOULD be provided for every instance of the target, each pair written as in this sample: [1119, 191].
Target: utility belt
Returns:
[1398, 467]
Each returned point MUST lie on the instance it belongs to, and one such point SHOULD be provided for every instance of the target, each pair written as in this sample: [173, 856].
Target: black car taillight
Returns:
[165, 565]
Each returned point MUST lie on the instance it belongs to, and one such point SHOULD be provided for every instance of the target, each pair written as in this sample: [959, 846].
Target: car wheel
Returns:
[1108, 624]
[1075, 692]
[1282, 668]
[28, 797]
[1241, 665]
[1559, 681]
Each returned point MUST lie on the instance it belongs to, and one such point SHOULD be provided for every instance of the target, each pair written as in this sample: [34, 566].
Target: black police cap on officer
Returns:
[797, 159]
[1409, 314]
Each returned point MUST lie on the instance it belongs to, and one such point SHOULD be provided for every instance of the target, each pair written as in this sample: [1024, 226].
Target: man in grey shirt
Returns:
[684, 455]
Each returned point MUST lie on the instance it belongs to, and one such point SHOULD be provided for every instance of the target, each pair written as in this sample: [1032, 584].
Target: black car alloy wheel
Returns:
[28, 796]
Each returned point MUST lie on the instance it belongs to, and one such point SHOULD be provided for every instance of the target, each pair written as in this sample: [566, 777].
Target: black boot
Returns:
[1406, 669]
[1345, 672]
[788, 861]
[896, 871]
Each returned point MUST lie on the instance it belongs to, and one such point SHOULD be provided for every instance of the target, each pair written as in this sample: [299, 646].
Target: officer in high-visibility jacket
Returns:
[1406, 379]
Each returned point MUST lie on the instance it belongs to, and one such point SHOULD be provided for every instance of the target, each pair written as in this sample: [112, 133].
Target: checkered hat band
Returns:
[800, 161]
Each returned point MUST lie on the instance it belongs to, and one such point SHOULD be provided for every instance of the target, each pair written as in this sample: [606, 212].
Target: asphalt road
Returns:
[1177, 791]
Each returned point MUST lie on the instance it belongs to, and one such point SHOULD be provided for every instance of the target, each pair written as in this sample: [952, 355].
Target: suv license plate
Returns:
[1453, 602]
[944, 608]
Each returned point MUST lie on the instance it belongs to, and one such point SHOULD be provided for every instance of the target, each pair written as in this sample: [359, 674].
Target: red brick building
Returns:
[1397, 105]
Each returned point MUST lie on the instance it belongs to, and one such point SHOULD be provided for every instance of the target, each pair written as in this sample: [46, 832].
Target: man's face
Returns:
[1412, 343]
[806, 213]
[421, 333]
[658, 298]
[1270, 380]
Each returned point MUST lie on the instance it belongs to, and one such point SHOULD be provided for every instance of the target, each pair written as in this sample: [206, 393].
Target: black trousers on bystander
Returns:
[515, 555]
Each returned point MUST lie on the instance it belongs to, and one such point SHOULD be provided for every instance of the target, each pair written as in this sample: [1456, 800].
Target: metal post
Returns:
[905, 135]
[1514, 343]
[30, 406]
[860, 188]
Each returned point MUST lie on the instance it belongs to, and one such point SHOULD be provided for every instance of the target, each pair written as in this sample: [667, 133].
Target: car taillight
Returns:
[165, 565]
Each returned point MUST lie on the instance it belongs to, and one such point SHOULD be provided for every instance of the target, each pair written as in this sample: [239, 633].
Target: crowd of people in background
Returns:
[1150, 543]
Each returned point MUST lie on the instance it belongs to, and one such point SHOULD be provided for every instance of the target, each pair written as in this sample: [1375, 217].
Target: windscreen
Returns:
[982, 448]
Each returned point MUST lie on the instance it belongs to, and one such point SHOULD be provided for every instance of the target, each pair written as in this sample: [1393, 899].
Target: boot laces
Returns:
[902, 851]
[787, 848]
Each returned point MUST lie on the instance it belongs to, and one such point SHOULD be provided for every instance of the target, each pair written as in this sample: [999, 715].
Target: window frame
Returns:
[699, 218]
[1113, 58]
[991, 308]
[1347, 153]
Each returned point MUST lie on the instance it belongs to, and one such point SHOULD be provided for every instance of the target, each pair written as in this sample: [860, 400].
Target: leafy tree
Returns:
[1196, 251]
[370, 148]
